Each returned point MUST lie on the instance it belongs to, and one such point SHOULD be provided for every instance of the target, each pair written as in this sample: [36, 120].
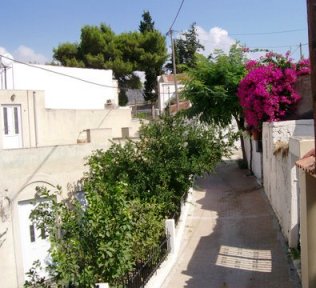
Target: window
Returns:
[5, 120]
[16, 120]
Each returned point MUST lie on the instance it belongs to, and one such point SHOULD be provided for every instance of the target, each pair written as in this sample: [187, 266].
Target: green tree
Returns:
[101, 48]
[146, 24]
[212, 88]
[67, 55]
[186, 49]
[129, 190]
[154, 57]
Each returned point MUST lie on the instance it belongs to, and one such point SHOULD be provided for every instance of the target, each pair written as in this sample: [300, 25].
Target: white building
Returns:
[166, 89]
[44, 140]
[65, 87]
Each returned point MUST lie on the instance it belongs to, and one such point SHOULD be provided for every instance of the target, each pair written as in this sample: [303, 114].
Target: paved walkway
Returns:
[232, 239]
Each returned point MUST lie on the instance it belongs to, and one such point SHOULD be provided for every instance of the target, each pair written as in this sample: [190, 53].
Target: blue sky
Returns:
[29, 30]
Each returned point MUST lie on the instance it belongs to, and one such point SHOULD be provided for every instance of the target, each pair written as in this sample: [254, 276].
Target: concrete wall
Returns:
[54, 145]
[65, 87]
[279, 172]
[44, 127]
[21, 171]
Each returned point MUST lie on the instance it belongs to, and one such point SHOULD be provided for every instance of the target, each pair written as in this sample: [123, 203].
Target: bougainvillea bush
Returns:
[267, 92]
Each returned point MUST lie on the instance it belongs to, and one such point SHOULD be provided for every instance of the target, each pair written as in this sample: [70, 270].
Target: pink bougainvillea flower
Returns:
[267, 92]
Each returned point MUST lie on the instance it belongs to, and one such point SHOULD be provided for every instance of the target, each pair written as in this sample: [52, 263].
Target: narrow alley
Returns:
[232, 238]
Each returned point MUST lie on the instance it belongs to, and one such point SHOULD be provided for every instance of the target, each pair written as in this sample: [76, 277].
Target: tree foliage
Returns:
[154, 57]
[124, 53]
[146, 24]
[212, 87]
[186, 49]
[129, 190]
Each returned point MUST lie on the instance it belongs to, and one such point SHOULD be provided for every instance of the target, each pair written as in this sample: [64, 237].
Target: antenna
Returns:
[6, 61]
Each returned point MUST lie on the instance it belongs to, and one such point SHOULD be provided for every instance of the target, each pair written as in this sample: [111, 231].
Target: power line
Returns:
[175, 18]
[267, 33]
[282, 46]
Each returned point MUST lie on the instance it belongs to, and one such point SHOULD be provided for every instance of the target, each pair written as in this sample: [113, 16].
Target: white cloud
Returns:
[28, 55]
[3, 50]
[25, 54]
[215, 38]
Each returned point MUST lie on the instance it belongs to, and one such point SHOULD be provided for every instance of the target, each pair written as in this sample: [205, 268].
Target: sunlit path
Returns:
[232, 238]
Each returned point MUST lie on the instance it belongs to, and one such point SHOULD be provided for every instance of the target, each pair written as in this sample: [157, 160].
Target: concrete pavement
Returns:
[232, 238]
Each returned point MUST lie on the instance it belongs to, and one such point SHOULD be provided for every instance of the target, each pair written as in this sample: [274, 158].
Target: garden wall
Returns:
[279, 172]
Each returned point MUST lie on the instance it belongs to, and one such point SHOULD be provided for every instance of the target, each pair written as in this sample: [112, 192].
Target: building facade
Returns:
[45, 143]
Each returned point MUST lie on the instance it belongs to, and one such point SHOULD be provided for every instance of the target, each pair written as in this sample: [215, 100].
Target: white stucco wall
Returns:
[49, 155]
[279, 174]
[21, 171]
[62, 92]
[43, 127]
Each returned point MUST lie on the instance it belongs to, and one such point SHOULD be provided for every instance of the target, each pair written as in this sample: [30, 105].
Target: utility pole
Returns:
[174, 68]
[311, 18]
[301, 51]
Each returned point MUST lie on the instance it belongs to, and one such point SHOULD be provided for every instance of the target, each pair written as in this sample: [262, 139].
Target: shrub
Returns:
[129, 191]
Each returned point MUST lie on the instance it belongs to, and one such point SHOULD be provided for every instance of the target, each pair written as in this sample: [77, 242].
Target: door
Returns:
[12, 137]
[34, 242]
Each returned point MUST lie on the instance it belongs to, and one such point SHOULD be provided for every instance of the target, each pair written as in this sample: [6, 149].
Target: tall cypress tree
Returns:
[186, 48]
[153, 43]
[146, 25]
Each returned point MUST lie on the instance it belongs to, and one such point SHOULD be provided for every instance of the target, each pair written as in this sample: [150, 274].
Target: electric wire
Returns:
[123, 88]
[60, 73]
[281, 46]
[266, 33]
[175, 18]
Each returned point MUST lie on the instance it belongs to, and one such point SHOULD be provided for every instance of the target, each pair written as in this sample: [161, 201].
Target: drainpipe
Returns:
[29, 118]
[35, 119]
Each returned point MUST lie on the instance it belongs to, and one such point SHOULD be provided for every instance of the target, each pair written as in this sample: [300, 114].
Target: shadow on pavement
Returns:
[234, 239]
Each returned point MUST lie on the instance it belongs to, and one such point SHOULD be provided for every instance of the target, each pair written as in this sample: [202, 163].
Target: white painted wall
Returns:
[43, 127]
[55, 143]
[62, 92]
[166, 93]
[279, 172]
[21, 171]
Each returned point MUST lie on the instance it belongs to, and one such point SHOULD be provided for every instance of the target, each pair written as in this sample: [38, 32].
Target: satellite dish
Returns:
[6, 60]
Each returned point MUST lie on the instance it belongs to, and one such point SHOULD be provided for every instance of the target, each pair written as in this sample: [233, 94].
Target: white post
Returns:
[102, 285]
[171, 233]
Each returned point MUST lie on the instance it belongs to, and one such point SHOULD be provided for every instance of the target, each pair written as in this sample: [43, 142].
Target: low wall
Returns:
[57, 127]
[279, 174]
[21, 171]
